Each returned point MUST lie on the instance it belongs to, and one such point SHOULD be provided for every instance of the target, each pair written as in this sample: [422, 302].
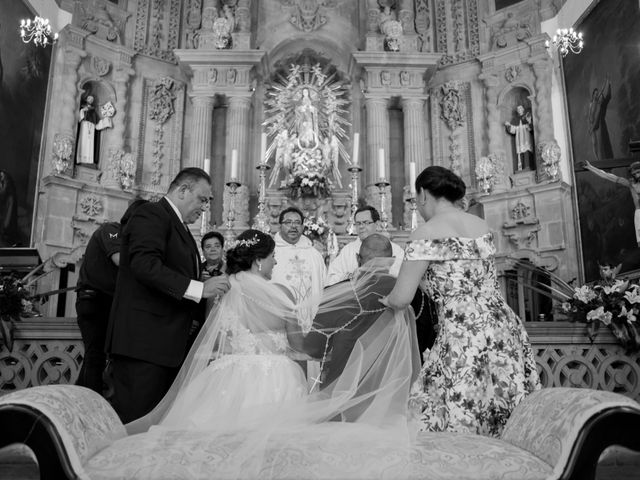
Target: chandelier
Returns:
[566, 40]
[38, 31]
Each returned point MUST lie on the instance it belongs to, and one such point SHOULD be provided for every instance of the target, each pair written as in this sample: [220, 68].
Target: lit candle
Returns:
[207, 166]
[234, 164]
[382, 171]
[356, 147]
[412, 178]
[263, 147]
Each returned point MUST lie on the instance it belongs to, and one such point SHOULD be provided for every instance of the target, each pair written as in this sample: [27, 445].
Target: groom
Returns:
[157, 295]
[342, 343]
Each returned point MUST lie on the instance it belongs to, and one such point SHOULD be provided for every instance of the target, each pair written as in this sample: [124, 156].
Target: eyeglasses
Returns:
[366, 223]
[290, 223]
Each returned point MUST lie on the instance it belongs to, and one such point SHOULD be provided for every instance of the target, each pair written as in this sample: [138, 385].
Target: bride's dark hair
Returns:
[249, 246]
[441, 182]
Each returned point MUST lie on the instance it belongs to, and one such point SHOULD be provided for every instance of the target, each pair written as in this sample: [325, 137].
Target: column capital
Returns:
[236, 100]
[413, 102]
[376, 100]
[202, 100]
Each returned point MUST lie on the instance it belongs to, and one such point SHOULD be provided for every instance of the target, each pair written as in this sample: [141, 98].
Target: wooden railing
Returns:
[49, 351]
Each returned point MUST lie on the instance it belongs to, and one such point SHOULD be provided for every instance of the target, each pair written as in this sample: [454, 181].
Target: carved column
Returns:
[542, 69]
[414, 150]
[495, 130]
[238, 134]
[67, 120]
[238, 139]
[406, 16]
[377, 136]
[121, 78]
[201, 130]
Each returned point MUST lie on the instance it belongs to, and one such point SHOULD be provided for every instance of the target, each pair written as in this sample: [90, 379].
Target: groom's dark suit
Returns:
[150, 320]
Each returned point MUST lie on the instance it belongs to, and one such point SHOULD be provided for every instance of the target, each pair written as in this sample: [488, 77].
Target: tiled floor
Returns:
[616, 464]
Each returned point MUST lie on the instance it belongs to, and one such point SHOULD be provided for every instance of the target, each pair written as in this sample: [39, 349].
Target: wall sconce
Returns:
[566, 40]
[38, 31]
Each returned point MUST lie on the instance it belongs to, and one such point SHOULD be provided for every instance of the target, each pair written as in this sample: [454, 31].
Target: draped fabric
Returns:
[241, 386]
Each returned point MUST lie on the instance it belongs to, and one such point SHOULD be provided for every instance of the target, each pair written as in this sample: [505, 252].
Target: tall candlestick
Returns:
[263, 147]
[207, 166]
[234, 164]
[412, 178]
[356, 147]
[382, 171]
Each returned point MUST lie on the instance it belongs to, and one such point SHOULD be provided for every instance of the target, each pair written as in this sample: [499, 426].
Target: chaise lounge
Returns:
[555, 433]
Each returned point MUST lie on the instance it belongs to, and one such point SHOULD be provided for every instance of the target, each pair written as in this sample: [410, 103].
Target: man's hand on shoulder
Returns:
[216, 286]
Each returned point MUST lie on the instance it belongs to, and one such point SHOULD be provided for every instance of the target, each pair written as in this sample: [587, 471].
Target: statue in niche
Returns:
[307, 121]
[632, 183]
[217, 26]
[598, 130]
[522, 130]
[88, 139]
[391, 29]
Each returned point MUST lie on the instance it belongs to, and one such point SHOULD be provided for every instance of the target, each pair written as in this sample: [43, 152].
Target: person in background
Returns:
[95, 287]
[212, 245]
[367, 220]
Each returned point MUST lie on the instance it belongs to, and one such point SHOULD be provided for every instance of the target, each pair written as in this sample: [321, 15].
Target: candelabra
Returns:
[205, 220]
[355, 174]
[566, 40]
[38, 31]
[382, 185]
[414, 211]
[233, 185]
[261, 221]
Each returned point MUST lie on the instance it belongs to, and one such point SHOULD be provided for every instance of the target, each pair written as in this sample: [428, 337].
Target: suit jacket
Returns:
[342, 343]
[149, 318]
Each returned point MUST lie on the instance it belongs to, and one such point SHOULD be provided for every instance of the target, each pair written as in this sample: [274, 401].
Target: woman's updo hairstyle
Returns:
[249, 246]
[441, 182]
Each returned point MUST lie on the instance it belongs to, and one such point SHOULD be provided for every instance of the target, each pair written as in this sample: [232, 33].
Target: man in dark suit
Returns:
[157, 295]
[368, 295]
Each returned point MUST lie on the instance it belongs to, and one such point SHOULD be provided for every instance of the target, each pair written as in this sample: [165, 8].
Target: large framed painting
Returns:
[24, 75]
[603, 95]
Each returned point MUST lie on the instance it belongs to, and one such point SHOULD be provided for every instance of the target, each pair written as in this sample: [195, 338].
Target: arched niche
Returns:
[517, 95]
[102, 93]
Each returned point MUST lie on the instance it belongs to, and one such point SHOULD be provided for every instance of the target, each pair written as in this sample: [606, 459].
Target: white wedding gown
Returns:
[241, 389]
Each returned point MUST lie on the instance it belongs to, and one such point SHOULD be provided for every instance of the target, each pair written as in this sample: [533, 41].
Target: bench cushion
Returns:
[437, 456]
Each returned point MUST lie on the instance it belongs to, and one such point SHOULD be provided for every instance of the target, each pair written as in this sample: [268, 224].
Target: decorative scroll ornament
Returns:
[91, 205]
[100, 65]
[488, 172]
[452, 105]
[512, 73]
[308, 15]
[62, 151]
[306, 117]
[127, 171]
[162, 99]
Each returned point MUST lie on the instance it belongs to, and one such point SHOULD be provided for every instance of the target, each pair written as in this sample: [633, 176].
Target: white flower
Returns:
[566, 307]
[630, 314]
[633, 295]
[584, 294]
[600, 314]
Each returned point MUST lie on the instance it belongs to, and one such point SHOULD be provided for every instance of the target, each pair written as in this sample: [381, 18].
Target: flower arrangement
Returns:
[315, 228]
[15, 302]
[307, 178]
[611, 302]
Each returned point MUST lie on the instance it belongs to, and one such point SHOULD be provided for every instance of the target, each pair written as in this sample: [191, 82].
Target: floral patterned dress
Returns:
[481, 365]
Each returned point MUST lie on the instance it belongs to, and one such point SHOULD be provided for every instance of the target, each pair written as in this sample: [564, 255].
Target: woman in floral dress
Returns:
[481, 365]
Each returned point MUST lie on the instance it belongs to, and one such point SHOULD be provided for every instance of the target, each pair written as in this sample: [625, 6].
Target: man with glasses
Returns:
[345, 264]
[300, 266]
[158, 294]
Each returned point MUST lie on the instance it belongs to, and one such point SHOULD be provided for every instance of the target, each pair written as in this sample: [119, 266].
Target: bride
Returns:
[242, 389]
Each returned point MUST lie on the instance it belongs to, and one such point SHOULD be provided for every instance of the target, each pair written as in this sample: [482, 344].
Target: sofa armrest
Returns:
[64, 425]
[570, 427]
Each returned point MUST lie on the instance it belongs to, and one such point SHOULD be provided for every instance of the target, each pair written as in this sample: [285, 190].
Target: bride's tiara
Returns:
[250, 242]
